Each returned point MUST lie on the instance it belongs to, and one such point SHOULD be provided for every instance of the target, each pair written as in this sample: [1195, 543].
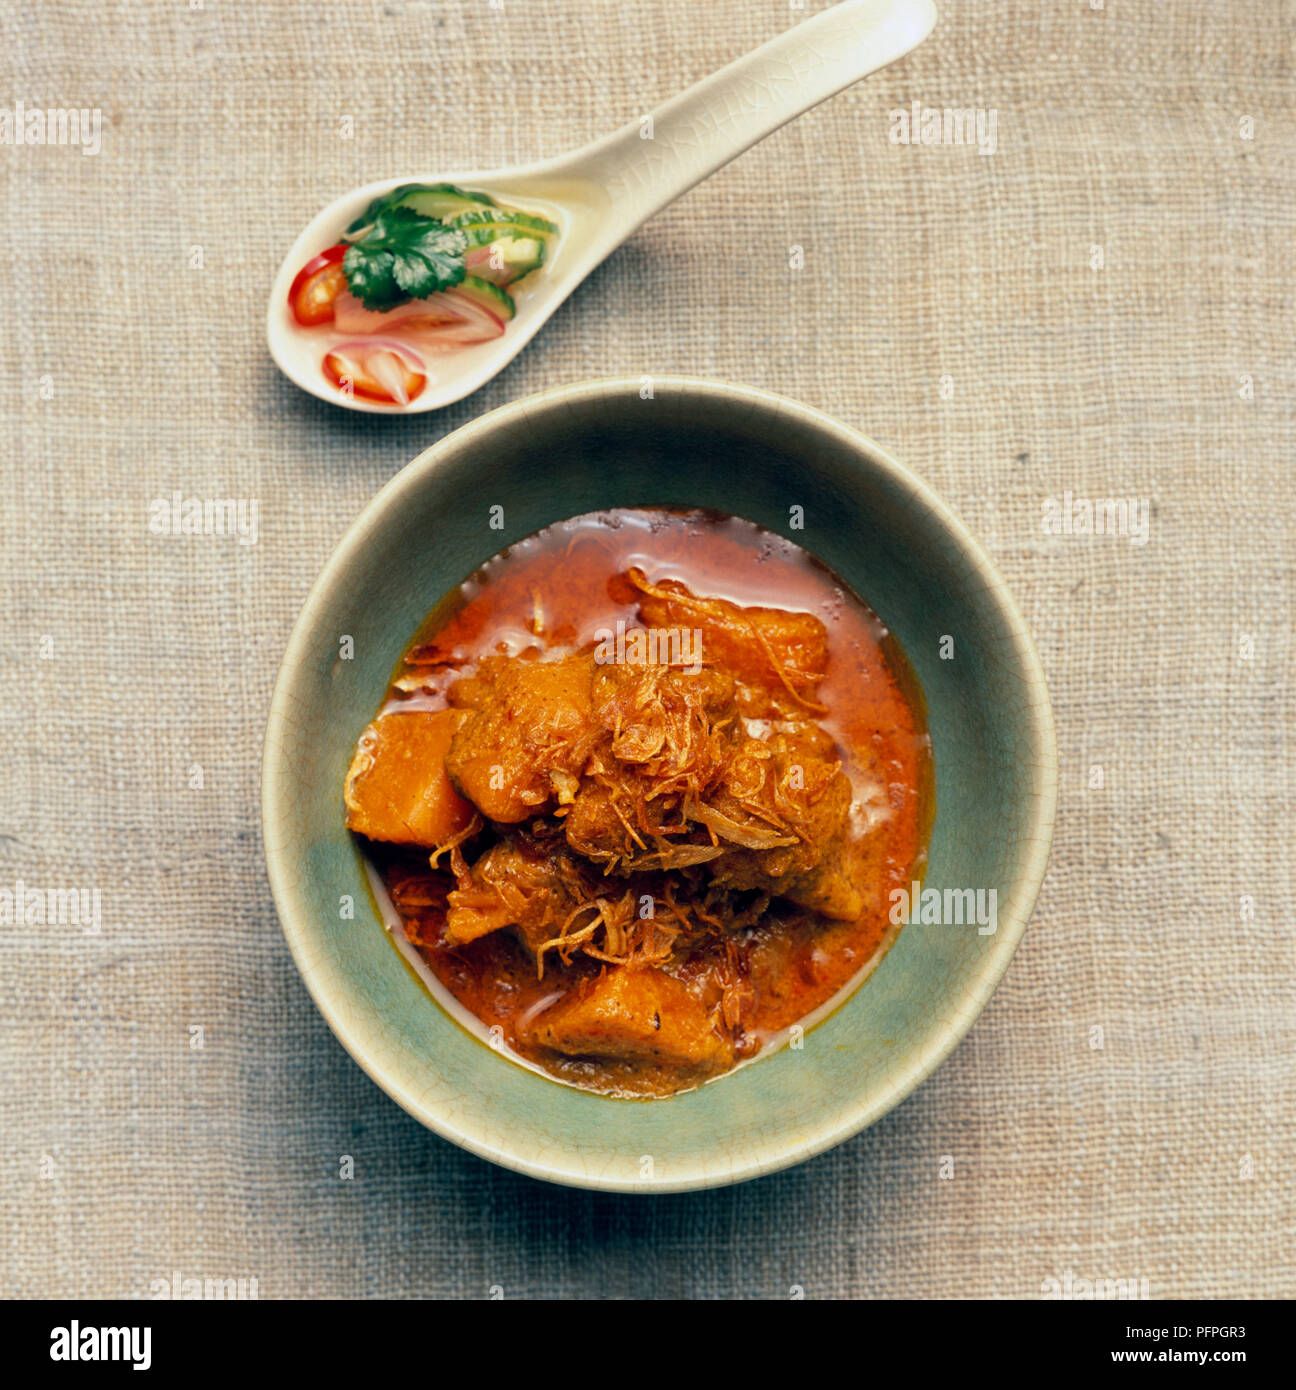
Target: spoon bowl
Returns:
[602, 193]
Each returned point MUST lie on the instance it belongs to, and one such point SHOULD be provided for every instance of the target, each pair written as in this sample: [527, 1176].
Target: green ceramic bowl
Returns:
[691, 443]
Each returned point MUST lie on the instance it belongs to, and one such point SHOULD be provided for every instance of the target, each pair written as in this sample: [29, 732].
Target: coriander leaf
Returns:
[404, 256]
[368, 215]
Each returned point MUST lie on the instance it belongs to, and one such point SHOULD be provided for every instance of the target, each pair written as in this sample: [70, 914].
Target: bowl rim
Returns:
[297, 921]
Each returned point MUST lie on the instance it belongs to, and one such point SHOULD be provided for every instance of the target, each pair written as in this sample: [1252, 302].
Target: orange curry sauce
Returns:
[558, 588]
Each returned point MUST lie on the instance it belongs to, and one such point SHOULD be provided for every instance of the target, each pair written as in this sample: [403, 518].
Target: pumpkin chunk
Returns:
[637, 1014]
[397, 789]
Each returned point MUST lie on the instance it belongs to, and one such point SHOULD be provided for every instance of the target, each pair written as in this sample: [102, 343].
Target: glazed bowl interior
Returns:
[696, 444]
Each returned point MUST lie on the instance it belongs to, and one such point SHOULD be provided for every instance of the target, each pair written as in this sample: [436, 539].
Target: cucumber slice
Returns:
[489, 296]
[499, 222]
[441, 200]
[505, 259]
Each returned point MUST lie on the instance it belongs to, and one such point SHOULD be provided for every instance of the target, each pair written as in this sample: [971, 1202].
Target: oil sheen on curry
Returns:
[639, 793]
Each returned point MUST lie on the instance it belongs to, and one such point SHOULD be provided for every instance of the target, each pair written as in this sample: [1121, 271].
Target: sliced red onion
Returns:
[350, 316]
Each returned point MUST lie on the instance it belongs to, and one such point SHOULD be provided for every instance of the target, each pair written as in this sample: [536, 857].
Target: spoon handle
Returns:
[650, 162]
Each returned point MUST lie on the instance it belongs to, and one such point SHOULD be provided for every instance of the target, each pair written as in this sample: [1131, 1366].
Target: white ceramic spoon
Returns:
[601, 194]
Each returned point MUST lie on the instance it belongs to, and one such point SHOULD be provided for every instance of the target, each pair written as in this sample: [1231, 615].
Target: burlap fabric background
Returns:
[130, 660]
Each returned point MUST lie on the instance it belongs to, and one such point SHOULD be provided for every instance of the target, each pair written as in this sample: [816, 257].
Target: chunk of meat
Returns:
[556, 904]
[397, 789]
[635, 1014]
[420, 898]
[783, 813]
[525, 734]
[517, 884]
[626, 834]
[836, 887]
[664, 736]
[783, 651]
